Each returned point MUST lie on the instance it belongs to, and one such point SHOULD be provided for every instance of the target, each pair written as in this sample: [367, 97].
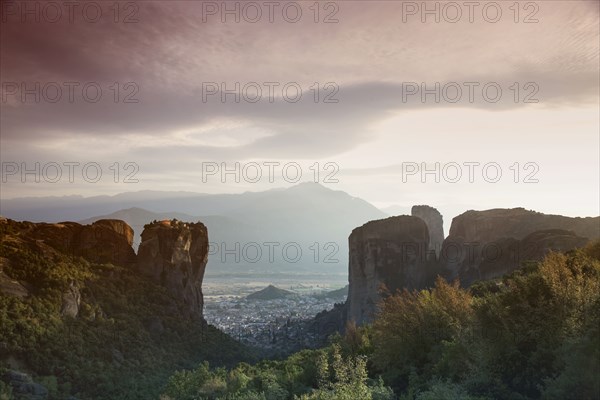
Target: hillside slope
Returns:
[97, 331]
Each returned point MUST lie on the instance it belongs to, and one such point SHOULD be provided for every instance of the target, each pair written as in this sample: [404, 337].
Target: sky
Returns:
[491, 105]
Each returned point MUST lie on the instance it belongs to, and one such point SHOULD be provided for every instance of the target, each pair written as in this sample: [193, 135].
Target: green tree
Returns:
[412, 330]
[342, 379]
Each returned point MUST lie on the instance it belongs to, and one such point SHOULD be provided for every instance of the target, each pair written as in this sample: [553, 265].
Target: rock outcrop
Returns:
[174, 254]
[490, 225]
[104, 241]
[506, 255]
[489, 244]
[481, 245]
[71, 301]
[389, 254]
[435, 224]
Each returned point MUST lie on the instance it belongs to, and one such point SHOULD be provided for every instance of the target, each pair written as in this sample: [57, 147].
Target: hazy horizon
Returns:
[448, 211]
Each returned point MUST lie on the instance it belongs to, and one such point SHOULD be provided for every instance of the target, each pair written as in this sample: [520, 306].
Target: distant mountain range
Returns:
[304, 227]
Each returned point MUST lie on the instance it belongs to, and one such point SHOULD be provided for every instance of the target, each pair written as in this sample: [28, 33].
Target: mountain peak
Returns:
[310, 187]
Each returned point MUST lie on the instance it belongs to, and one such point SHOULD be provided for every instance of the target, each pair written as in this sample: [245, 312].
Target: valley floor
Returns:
[277, 326]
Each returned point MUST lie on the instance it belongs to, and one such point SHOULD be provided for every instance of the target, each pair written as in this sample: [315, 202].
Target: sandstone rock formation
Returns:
[104, 241]
[489, 244]
[174, 254]
[435, 224]
[391, 252]
[481, 245]
[489, 225]
[506, 255]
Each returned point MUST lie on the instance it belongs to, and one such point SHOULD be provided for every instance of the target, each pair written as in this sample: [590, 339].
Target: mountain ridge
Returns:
[301, 215]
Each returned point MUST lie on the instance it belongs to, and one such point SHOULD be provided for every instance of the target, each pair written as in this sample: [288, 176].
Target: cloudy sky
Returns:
[386, 92]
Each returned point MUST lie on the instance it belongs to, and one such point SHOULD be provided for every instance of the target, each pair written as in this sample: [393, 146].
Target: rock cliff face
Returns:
[435, 224]
[105, 241]
[490, 225]
[488, 244]
[481, 245]
[174, 254]
[493, 259]
[390, 252]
